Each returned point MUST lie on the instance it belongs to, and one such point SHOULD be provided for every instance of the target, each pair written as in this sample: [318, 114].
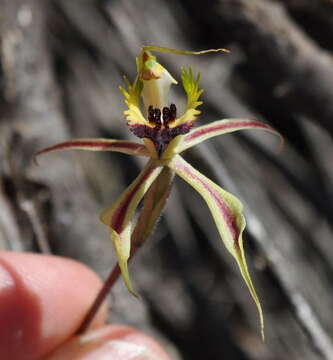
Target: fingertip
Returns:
[116, 342]
[42, 302]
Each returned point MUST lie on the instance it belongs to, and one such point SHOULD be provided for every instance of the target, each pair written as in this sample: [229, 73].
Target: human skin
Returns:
[44, 298]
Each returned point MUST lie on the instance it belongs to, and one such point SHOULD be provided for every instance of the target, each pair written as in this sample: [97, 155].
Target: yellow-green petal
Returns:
[221, 127]
[123, 146]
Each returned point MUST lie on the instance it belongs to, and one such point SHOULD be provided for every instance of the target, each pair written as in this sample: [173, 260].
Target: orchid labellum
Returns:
[166, 134]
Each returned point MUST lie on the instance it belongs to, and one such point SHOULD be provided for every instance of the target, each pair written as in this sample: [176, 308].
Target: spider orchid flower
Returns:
[165, 136]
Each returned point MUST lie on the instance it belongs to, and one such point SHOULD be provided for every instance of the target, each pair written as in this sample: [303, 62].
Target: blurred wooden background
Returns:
[60, 64]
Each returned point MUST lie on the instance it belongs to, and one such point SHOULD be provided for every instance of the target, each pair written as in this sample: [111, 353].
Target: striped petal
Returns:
[123, 146]
[118, 218]
[226, 210]
[221, 127]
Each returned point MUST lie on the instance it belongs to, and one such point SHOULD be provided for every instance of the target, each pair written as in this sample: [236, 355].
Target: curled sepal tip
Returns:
[122, 245]
[226, 210]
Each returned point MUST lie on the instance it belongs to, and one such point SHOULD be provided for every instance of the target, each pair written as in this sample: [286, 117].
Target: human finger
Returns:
[113, 342]
[43, 299]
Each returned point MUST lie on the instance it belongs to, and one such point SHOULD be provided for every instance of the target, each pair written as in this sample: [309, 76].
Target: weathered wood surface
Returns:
[61, 62]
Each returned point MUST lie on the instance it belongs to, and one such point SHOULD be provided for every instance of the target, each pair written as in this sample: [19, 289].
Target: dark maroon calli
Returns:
[160, 132]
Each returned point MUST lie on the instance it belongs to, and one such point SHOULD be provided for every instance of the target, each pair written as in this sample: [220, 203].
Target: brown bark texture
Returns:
[60, 65]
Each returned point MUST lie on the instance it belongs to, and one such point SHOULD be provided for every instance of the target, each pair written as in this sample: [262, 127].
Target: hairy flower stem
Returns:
[153, 205]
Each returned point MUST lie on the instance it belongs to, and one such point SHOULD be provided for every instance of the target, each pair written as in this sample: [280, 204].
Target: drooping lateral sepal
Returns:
[123, 146]
[226, 210]
[221, 127]
[118, 218]
[153, 204]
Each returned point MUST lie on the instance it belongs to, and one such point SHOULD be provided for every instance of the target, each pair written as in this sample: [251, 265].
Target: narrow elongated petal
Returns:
[226, 210]
[122, 146]
[118, 218]
[220, 127]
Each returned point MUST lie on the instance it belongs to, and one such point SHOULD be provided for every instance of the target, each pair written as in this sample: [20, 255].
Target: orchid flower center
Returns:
[158, 130]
